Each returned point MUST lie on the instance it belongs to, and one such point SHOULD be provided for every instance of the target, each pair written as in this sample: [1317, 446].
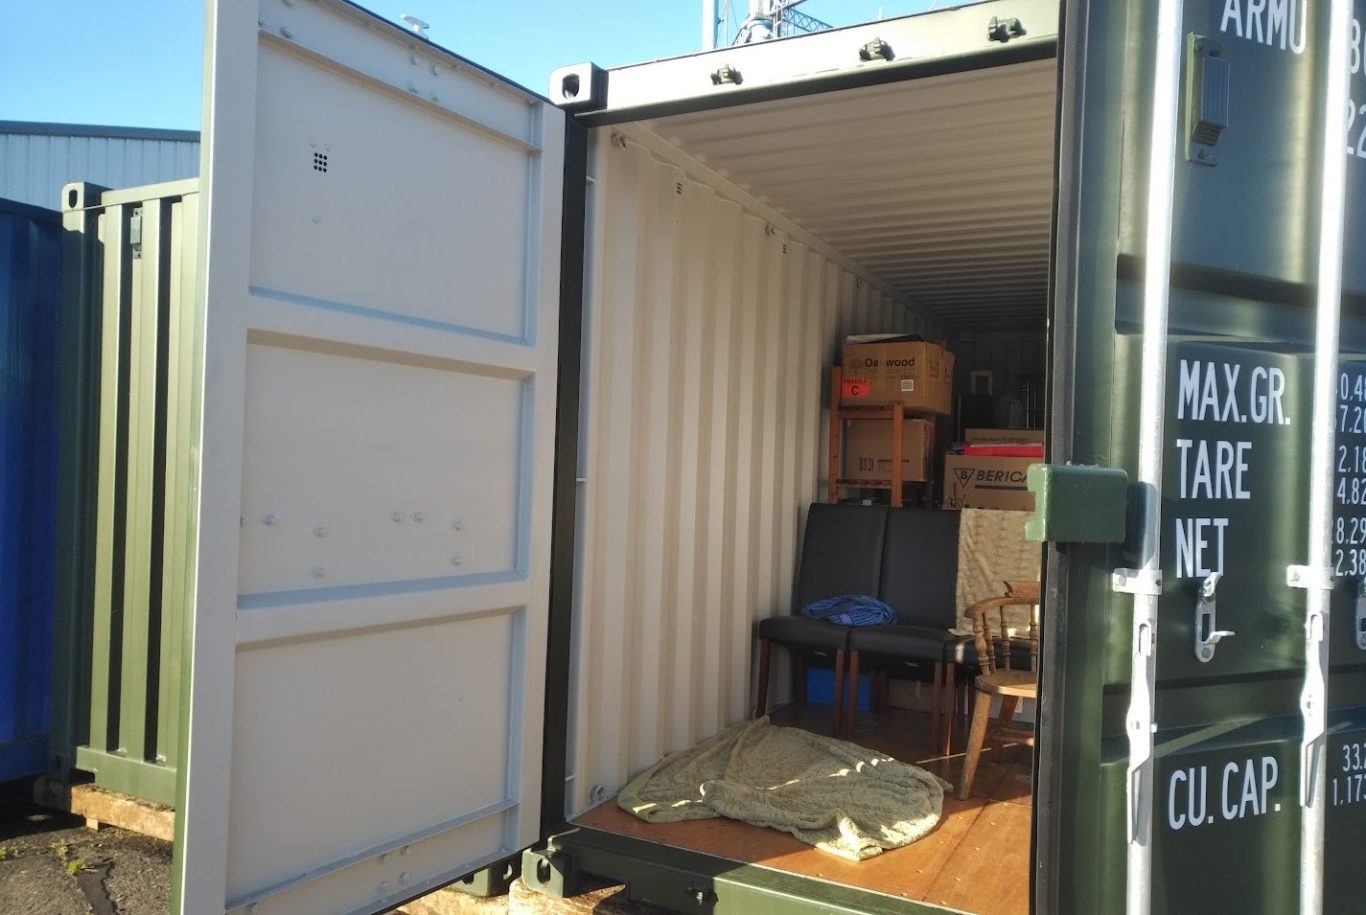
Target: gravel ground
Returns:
[50, 864]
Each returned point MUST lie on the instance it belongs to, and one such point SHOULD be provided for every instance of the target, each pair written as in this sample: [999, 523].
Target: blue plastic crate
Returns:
[820, 688]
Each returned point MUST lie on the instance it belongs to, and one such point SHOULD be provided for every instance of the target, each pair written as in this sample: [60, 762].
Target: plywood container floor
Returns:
[976, 859]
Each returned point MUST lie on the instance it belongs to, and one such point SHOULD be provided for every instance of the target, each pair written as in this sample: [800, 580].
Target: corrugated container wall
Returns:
[711, 322]
[30, 291]
[36, 159]
[127, 519]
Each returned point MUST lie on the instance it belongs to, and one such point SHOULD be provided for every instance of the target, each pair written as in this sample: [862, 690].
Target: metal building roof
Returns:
[37, 158]
[941, 186]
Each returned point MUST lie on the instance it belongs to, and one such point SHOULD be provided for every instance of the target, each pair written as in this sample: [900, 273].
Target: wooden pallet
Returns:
[102, 808]
[609, 900]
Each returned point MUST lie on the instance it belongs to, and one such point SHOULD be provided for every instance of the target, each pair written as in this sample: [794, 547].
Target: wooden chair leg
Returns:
[977, 735]
[765, 656]
[799, 687]
[851, 715]
[839, 692]
[937, 707]
[885, 695]
[1008, 706]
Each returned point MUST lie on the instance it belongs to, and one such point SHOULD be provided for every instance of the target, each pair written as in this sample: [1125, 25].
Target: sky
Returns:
[137, 63]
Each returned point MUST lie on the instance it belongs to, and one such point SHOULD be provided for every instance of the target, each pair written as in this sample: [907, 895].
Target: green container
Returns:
[127, 480]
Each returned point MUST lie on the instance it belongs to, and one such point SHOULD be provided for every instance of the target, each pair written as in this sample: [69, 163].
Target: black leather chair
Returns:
[919, 581]
[842, 553]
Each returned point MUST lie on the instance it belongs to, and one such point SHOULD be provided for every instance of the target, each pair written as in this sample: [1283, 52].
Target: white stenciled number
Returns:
[1359, 150]
[1356, 46]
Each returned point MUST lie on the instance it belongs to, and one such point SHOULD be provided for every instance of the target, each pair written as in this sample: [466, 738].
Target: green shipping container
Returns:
[511, 411]
[129, 402]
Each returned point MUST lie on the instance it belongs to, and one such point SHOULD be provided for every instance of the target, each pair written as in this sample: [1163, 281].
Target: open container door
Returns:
[382, 257]
[1204, 799]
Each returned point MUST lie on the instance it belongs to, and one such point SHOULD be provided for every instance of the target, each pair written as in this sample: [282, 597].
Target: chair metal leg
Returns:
[949, 707]
[839, 692]
[851, 716]
[977, 736]
[937, 707]
[765, 656]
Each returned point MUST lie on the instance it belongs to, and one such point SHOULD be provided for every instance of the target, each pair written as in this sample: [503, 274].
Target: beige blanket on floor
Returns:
[837, 796]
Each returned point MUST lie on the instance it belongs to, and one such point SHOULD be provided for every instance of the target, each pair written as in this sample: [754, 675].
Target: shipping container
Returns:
[30, 292]
[126, 498]
[513, 410]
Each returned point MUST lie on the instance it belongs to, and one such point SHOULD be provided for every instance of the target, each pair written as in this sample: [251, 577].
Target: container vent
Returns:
[320, 162]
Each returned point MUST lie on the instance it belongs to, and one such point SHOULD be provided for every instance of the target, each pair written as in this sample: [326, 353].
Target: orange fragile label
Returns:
[853, 388]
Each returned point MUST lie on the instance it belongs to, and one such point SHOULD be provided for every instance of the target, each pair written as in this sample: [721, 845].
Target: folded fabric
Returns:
[851, 610]
[839, 797]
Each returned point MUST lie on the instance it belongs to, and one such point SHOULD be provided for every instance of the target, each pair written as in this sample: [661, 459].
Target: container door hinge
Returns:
[1309, 578]
[1207, 98]
[135, 232]
[1206, 636]
[1137, 581]
[726, 75]
[876, 48]
[1003, 30]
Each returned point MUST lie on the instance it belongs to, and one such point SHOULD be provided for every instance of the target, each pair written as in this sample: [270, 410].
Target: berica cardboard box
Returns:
[868, 450]
[918, 374]
[973, 481]
[1003, 436]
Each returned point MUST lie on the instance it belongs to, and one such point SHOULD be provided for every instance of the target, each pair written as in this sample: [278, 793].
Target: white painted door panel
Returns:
[382, 231]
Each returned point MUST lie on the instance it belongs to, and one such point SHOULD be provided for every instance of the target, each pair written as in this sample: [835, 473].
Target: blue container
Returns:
[30, 298]
[820, 688]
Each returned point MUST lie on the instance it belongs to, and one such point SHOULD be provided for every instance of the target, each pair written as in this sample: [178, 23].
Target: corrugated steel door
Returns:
[1226, 819]
[30, 294]
[382, 228]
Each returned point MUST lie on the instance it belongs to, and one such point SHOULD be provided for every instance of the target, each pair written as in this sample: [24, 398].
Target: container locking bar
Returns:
[1168, 42]
[1323, 445]
[1206, 636]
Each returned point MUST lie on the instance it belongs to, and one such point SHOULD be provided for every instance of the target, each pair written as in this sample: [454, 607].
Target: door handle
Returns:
[1207, 637]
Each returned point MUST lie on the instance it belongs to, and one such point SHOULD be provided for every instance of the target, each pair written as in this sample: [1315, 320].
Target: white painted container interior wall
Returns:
[710, 325]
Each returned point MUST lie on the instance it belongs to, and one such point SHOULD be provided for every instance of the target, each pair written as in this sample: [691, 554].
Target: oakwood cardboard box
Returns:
[918, 374]
[868, 450]
[987, 482]
[1003, 436]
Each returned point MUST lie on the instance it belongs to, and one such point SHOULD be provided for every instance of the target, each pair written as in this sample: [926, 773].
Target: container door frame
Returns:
[504, 597]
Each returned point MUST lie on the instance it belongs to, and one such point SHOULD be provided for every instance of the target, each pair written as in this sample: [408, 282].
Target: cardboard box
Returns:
[987, 482]
[918, 374]
[1003, 436]
[867, 451]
